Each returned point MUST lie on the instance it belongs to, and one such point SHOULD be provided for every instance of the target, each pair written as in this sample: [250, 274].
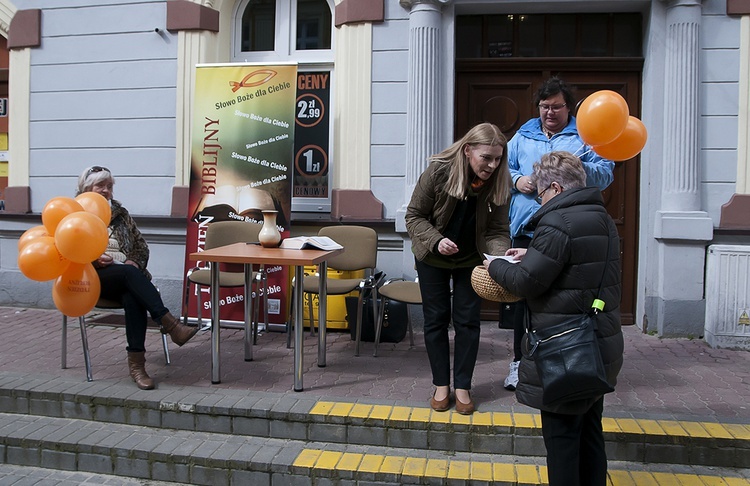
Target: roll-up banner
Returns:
[242, 161]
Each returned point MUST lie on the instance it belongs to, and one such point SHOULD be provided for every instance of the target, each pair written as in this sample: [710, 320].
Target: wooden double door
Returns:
[501, 91]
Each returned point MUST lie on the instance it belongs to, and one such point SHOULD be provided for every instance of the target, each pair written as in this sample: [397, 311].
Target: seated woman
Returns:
[124, 278]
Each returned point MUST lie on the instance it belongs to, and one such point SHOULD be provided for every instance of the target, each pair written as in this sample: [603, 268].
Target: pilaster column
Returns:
[681, 227]
[681, 181]
[423, 107]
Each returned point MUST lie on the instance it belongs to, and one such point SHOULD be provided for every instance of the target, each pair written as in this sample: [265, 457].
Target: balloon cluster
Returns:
[604, 122]
[73, 234]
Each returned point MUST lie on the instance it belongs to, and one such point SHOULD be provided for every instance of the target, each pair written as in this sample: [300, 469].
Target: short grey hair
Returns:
[562, 167]
[92, 176]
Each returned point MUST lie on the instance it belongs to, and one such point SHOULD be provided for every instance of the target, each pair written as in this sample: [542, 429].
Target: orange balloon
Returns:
[31, 234]
[76, 291]
[96, 204]
[39, 259]
[629, 144]
[81, 237]
[56, 209]
[602, 117]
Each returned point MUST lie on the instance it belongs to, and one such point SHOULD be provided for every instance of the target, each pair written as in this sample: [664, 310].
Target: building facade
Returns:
[111, 83]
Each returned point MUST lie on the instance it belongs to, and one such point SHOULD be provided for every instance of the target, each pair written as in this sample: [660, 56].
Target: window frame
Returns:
[285, 45]
[312, 60]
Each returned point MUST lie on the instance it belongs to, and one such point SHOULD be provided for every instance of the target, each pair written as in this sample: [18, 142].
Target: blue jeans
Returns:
[129, 286]
[575, 447]
[463, 310]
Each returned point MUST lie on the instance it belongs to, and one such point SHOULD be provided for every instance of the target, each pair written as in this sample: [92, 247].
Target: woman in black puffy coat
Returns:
[575, 243]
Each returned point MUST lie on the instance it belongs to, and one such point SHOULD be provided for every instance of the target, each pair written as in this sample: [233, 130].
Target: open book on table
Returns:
[310, 242]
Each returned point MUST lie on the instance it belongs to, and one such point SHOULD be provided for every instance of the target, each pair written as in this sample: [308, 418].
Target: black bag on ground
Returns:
[568, 360]
[394, 320]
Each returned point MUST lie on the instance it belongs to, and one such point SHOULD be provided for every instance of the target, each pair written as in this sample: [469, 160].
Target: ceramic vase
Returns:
[269, 235]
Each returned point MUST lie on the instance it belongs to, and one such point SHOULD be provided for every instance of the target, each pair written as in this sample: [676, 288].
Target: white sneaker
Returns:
[512, 379]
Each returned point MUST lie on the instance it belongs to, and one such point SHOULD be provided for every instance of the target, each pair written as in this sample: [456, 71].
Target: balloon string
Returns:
[584, 153]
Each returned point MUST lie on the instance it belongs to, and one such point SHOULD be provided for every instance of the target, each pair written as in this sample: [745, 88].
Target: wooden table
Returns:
[250, 254]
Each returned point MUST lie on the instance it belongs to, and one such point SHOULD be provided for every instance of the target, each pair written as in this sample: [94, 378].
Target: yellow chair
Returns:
[400, 290]
[221, 233]
[100, 304]
[360, 253]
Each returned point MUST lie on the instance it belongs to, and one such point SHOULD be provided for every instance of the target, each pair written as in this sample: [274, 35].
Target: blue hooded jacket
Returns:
[528, 145]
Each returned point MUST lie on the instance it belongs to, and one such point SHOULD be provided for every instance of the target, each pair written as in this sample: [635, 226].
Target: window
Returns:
[300, 31]
[264, 30]
[549, 35]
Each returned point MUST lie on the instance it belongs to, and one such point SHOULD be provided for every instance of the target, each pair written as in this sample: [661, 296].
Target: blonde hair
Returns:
[92, 176]
[460, 175]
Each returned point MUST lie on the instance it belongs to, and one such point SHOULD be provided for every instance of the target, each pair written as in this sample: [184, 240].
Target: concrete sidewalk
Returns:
[679, 379]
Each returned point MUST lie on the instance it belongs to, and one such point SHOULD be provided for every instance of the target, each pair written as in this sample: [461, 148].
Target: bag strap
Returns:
[596, 306]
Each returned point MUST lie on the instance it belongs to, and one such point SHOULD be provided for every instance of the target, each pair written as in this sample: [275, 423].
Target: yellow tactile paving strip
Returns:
[503, 472]
[315, 459]
[423, 415]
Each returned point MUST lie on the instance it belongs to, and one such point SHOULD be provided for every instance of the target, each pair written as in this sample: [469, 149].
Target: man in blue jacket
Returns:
[554, 130]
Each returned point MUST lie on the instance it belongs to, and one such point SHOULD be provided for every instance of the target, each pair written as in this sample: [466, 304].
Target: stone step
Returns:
[301, 418]
[225, 459]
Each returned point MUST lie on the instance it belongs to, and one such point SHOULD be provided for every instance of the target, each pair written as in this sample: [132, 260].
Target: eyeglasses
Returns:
[95, 169]
[539, 196]
[552, 108]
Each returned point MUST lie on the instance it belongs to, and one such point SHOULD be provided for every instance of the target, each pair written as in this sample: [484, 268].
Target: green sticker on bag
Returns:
[598, 305]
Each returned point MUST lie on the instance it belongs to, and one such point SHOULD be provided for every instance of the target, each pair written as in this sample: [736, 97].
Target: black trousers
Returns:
[515, 311]
[129, 286]
[463, 309]
[575, 447]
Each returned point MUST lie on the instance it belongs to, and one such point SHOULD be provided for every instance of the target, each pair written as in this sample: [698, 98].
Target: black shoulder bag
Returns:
[567, 356]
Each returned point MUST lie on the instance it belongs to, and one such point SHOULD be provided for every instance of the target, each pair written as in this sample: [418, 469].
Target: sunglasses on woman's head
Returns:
[95, 169]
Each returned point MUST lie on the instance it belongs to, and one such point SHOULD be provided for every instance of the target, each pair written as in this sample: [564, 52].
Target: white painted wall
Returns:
[103, 85]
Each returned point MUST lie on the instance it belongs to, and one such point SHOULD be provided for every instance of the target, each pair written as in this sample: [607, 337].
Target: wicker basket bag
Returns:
[488, 289]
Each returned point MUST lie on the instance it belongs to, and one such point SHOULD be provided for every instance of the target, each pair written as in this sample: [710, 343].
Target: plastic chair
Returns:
[221, 233]
[100, 304]
[360, 253]
[400, 290]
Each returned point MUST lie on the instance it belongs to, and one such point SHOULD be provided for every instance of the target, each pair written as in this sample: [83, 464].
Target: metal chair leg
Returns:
[186, 303]
[64, 353]
[166, 349]
[290, 322]
[310, 310]
[378, 328]
[85, 344]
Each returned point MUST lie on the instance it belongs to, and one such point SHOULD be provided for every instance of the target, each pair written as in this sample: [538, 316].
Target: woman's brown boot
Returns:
[179, 332]
[137, 366]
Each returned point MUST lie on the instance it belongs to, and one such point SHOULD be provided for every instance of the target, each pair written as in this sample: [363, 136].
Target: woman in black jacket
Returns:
[575, 242]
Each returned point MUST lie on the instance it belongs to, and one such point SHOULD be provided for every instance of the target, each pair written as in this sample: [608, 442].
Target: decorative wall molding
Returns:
[355, 204]
[738, 7]
[736, 213]
[185, 15]
[355, 11]
[18, 199]
[25, 29]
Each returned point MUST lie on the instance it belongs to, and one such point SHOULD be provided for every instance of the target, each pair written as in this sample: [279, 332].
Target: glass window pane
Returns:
[313, 25]
[562, 35]
[500, 35]
[469, 36]
[594, 35]
[259, 26]
[531, 35]
[627, 35]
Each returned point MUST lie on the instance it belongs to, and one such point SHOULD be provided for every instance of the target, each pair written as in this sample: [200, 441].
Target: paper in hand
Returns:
[508, 259]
